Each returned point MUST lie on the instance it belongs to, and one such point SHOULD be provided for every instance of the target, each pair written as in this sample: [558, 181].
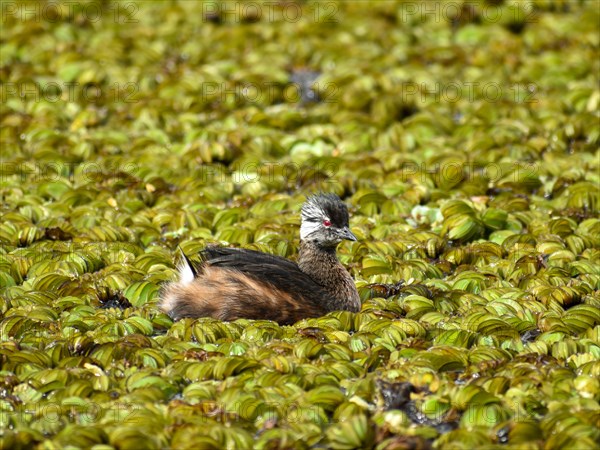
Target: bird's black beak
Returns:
[345, 233]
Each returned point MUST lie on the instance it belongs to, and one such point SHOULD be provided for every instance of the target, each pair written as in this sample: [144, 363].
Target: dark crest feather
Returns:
[331, 205]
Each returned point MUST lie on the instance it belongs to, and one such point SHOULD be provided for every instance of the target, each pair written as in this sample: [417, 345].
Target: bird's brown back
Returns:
[235, 283]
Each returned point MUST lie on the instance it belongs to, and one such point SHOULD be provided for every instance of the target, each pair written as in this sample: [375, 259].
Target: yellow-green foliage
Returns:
[464, 137]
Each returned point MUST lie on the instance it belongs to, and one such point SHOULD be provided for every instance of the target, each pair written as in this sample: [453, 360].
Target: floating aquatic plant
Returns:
[464, 136]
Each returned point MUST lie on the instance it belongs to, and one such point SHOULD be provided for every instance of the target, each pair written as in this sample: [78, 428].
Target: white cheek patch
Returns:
[308, 228]
[312, 218]
[186, 274]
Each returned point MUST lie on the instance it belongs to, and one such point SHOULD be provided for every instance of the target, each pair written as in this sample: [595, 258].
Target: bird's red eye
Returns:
[326, 223]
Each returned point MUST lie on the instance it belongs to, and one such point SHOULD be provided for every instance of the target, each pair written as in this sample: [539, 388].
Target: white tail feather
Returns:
[186, 274]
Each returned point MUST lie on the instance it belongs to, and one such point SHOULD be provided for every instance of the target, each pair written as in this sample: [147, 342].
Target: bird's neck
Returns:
[317, 261]
[322, 265]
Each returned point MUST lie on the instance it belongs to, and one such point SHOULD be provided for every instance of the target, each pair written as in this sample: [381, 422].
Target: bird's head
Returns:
[325, 221]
